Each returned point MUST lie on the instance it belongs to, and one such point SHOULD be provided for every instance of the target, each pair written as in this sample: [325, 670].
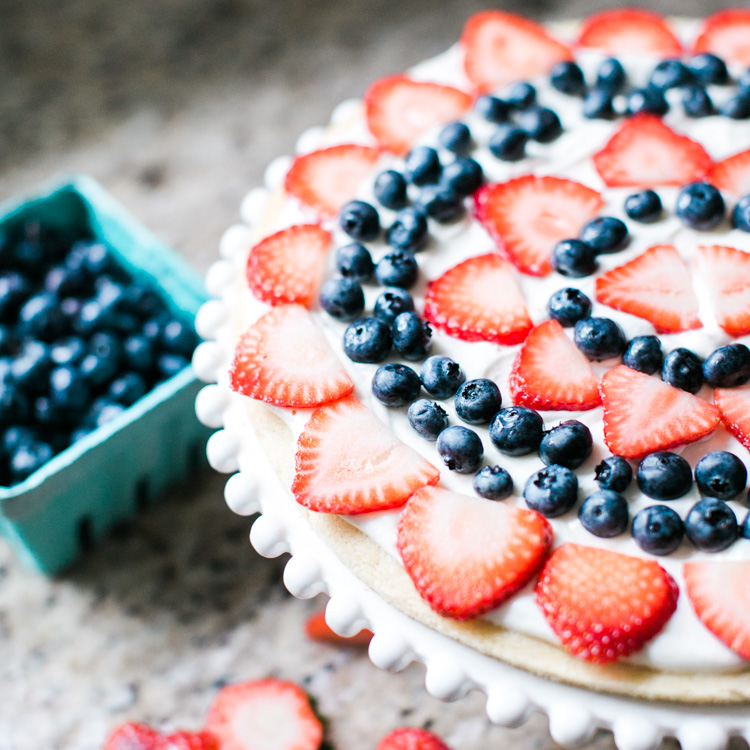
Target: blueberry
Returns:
[645, 206]
[41, 318]
[521, 96]
[67, 351]
[508, 143]
[68, 390]
[456, 137]
[441, 203]
[408, 231]
[14, 403]
[144, 301]
[395, 385]
[30, 368]
[463, 176]
[604, 513]
[493, 483]
[102, 363]
[6, 340]
[477, 401]
[359, 220]
[390, 189]
[15, 436]
[727, 366]
[737, 107]
[664, 476]
[541, 124]
[741, 214]
[28, 458]
[658, 530]
[599, 338]
[65, 282]
[683, 370]
[743, 82]
[461, 449]
[709, 69]
[412, 336]
[105, 411]
[517, 430]
[422, 166]
[696, 102]
[48, 415]
[598, 105]
[611, 76]
[168, 365]
[614, 473]
[342, 298]
[367, 340]
[670, 74]
[551, 491]
[179, 337]
[648, 100]
[569, 444]
[605, 234]
[391, 303]
[91, 318]
[745, 529]
[567, 77]
[15, 289]
[644, 354]
[568, 306]
[138, 353]
[492, 109]
[427, 418]
[573, 258]
[711, 525]
[354, 261]
[720, 474]
[127, 388]
[441, 376]
[397, 268]
[700, 206]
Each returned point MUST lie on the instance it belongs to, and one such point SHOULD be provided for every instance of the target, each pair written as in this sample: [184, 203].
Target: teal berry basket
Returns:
[105, 477]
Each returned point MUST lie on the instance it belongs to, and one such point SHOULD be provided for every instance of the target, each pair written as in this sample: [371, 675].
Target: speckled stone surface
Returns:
[176, 107]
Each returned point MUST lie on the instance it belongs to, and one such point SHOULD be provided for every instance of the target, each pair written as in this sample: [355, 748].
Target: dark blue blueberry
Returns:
[664, 476]
[41, 318]
[179, 337]
[427, 418]
[644, 206]
[441, 376]
[422, 166]
[670, 74]
[737, 107]
[65, 282]
[745, 529]
[30, 368]
[567, 77]
[97, 260]
[727, 366]
[354, 261]
[6, 340]
[342, 298]
[508, 143]
[391, 303]
[700, 206]
[14, 403]
[569, 444]
[541, 124]
[359, 220]
[521, 96]
[441, 203]
[492, 109]
[48, 415]
[599, 338]
[463, 176]
[397, 268]
[412, 336]
[390, 189]
[102, 363]
[709, 69]
[604, 513]
[711, 525]
[456, 137]
[68, 390]
[644, 354]
[67, 351]
[15, 289]
[91, 317]
[658, 530]
[477, 401]
[168, 364]
[408, 231]
[551, 491]
[605, 234]
[143, 301]
[569, 305]
[721, 474]
[517, 430]
[461, 449]
[573, 258]
[741, 214]
[14, 436]
[28, 458]
[598, 105]
[395, 385]
[104, 410]
[696, 102]
[493, 483]
[614, 473]
[683, 369]
[743, 82]
[648, 100]
[367, 340]
[139, 353]
[611, 76]
[127, 388]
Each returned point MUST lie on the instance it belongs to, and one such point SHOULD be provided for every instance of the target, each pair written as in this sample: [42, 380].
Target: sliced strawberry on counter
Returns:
[645, 151]
[655, 286]
[732, 174]
[734, 408]
[317, 629]
[410, 738]
[349, 462]
[466, 555]
[326, 179]
[549, 372]
[133, 736]
[268, 714]
[642, 414]
[725, 272]
[727, 34]
[604, 605]
[629, 31]
[500, 48]
[287, 266]
[529, 215]
[479, 300]
[720, 595]
[284, 359]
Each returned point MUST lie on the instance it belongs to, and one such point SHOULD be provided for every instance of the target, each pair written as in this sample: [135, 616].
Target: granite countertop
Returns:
[176, 107]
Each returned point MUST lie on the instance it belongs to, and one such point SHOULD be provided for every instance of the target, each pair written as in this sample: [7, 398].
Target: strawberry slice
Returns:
[133, 736]
[500, 48]
[642, 414]
[399, 109]
[604, 605]
[284, 359]
[479, 300]
[727, 34]
[732, 174]
[467, 555]
[725, 271]
[288, 266]
[655, 286]
[410, 738]
[349, 462]
[326, 179]
[317, 629]
[630, 31]
[644, 152]
[720, 596]
[527, 216]
[734, 407]
[183, 740]
[268, 714]
[549, 372]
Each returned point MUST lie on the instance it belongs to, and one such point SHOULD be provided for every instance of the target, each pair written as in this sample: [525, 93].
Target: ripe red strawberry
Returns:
[549, 372]
[629, 30]
[655, 286]
[467, 555]
[604, 605]
[133, 736]
[726, 34]
[326, 179]
[410, 738]
[529, 215]
[479, 300]
[284, 359]
[644, 152]
[400, 109]
[183, 740]
[642, 414]
[734, 408]
[349, 462]
[725, 272]
[268, 714]
[317, 629]
[500, 48]
[288, 266]
[720, 596]
[732, 174]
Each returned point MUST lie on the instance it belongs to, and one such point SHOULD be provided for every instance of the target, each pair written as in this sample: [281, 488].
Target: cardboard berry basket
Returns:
[106, 476]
